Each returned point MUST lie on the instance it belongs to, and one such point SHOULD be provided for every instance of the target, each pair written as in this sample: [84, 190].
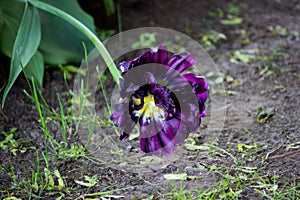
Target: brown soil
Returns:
[279, 91]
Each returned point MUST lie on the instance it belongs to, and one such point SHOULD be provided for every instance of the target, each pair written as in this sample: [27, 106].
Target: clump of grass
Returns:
[179, 192]
[270, 62]
[236, 179]
[35, 182]
[43, 181]
[14, 145]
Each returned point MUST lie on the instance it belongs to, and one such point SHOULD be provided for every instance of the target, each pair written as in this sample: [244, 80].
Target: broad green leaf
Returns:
[1, 18]
[176, 176]
[35, 68]
[10, 18]
[85, 31]
[25, 46]
[62, 42]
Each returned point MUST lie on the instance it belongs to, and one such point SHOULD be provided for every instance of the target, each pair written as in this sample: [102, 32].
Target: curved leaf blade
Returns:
[1, 19]
[87, 32]
[25, 46]
[11, 18]
[62, 42]
[35, 68]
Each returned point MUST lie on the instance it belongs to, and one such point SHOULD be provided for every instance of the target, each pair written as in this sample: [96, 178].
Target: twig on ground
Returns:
[283, 155]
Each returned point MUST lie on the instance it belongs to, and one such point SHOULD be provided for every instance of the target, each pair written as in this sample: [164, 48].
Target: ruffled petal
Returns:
[144, 58]
[163, 141]
[200, 88]
[198, 83]
[123, 120]
[181, 62]
[124, 66]
[160, 55]
[150, 56]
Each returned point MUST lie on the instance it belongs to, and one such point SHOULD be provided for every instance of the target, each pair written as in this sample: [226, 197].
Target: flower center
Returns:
[148, 111]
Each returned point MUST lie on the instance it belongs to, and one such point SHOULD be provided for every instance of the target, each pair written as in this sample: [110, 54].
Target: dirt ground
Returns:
[252, 90]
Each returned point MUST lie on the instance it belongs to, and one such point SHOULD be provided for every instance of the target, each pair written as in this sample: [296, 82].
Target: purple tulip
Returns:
[156, 95]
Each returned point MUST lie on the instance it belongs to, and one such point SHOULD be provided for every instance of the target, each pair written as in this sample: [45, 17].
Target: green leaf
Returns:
[244, 148]
[90, 181]
[4, 144]
[295, 145]
[25, 46]
[84, 30]
[10, 17]
[245, 56]
[232, 20]
[109, 7]
[193, 147]
[278, 30]
[264, 114]
[49, 179]
[62, 42]
[274, 187]
[1, 19]
[35, 68]
[61, 183]
[232, 9]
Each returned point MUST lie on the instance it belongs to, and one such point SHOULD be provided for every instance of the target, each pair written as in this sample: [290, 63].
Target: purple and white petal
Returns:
[181, 62]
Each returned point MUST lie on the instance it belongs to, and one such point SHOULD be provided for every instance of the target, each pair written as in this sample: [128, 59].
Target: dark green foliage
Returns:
[31, 37]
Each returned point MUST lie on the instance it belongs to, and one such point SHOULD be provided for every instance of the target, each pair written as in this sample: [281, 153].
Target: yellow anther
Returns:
[149, 98]
[136, 101]
[149, 110]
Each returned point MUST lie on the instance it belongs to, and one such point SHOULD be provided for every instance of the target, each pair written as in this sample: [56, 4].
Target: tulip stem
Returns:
[90, 35]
